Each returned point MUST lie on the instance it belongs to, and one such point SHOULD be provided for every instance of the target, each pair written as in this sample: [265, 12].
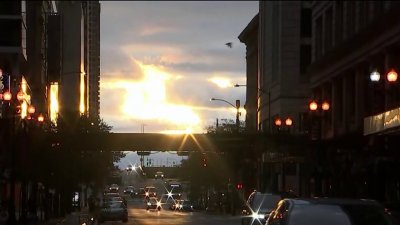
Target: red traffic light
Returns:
[239, 186]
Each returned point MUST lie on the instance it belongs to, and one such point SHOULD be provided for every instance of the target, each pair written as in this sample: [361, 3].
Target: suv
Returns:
[257, 206]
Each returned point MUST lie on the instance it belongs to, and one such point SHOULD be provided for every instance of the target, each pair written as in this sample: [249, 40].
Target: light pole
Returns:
[258, 108]
[236, 107]
[283, 126]
[318, 110]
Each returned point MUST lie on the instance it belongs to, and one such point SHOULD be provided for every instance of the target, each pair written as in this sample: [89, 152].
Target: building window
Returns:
[363, 14]
[350, 18]
[351, 96]
[379, 7]
[328, 29]
[306, 22]
[305, 58]
[275, 41]
[318, 38]
[338, 22]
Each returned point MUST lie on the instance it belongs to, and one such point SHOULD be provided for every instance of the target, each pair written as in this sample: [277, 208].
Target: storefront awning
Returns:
[382, 122]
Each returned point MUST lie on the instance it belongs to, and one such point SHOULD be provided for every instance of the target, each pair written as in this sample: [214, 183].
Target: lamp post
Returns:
[16, 106]
[283, 125]
[236, 107]
[258, 108]
[318, 110]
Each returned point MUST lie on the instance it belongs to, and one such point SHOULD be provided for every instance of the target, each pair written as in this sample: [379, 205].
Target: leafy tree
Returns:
[59, 163]
[225, 126]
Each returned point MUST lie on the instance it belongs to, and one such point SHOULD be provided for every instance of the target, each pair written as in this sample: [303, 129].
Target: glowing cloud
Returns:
[221, 82]
[147, 100]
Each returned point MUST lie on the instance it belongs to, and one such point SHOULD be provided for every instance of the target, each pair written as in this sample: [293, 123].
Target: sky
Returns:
[162, 62]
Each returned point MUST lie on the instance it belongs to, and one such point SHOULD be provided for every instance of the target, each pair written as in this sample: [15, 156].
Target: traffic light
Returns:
[239, 186]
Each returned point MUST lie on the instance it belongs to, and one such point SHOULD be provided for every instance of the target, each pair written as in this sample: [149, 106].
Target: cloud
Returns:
[184, 41]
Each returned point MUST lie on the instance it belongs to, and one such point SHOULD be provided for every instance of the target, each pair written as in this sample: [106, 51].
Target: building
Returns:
[249, 36]
[23, 65]
[278, 52]
[284, 54]
[352, 39]
[80, 74]
[92, 28]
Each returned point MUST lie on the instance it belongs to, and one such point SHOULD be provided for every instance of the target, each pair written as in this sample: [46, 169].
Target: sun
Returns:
[147, 100]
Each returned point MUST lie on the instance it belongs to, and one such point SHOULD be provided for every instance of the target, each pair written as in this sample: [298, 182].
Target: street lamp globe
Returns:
[7, 96]
[288, 122]
[20, 96]
[313, 106]
[278, 122]
[325, 106]
[31, 109]
[41, 118]
[392, 76]
[375, 76]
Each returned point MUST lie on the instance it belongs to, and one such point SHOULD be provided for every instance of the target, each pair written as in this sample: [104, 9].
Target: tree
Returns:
[60, 164]
[225, 126]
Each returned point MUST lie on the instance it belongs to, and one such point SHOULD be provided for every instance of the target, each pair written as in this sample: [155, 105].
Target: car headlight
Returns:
[257, 216]
[149, 204]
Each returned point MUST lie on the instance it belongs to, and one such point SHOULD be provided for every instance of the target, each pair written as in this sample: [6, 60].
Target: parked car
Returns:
[257, 206]
[113, 211]
[329, 211]
[153, 203]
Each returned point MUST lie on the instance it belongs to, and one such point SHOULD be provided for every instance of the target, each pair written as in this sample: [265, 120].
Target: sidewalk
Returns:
[74, 218]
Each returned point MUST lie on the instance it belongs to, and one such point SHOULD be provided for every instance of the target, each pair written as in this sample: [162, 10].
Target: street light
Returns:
[236, 107]
[258, 108]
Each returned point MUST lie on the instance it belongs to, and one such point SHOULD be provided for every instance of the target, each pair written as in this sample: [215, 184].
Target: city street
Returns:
[138, 215]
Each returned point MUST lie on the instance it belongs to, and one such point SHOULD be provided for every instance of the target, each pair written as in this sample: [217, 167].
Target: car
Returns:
[329, 211]
[153, 203]
[159, 174]
[135, 193]
[110, 197]
[150, 191]
[113, 211]
[175, 191]
[257, 206]
[129, 190]
[167, 202]
[141, 193]
[183, 205]
[113, 188]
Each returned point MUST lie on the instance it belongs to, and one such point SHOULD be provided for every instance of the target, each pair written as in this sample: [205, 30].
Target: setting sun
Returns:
[147, 100]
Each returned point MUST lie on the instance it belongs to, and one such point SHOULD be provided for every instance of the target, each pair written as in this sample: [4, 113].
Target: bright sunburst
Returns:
[147, 100]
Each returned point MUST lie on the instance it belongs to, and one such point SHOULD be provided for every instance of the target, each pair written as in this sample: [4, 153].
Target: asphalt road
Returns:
[138, 215]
